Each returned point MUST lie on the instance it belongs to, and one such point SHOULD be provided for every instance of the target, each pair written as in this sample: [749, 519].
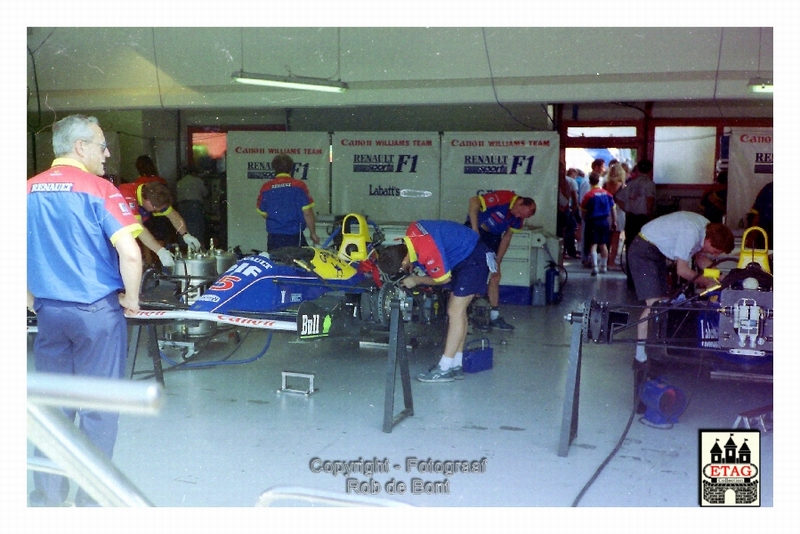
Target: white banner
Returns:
[249, 164]
[478, 162]
[749, 169]
[388, 176]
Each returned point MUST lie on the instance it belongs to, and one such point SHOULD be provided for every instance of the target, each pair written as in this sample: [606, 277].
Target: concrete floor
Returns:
[225, 434]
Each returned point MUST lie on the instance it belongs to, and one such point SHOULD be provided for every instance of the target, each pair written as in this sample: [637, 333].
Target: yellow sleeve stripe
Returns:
[134, 229]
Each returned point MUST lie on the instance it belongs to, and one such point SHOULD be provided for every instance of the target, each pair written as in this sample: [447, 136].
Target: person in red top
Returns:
[153, 198]
[158, 226]
[448, 253]
[600, 220]
[496, 216]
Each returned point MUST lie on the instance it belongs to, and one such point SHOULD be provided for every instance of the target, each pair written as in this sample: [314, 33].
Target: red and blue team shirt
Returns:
[283, 200]
[438, 246]
[133, 196]
[598, 203]
[74, 219]
[495, 216]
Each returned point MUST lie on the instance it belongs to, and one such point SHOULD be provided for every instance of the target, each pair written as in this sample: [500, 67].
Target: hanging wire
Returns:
[155, 62]
[716, 75]
[760, 30]
[339, 54]
[494, 89]
[36, 81]
[241, 44]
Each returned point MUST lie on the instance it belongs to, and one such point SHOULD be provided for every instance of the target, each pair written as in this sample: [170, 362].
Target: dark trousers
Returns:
[633, 225]
[192, 213]
[86, 340]
[565, 228]
[276, 241]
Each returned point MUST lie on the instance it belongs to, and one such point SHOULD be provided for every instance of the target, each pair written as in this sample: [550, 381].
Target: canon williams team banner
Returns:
[388, 176]
[249, 165]
[749, 169]
[474, 163]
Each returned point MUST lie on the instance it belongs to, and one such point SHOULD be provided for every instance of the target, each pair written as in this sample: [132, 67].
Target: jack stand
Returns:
[757, 416]
[286, 374]
[569, 413]
[397, 355]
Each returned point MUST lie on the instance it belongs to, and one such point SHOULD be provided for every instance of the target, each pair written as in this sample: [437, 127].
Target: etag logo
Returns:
[729, 468]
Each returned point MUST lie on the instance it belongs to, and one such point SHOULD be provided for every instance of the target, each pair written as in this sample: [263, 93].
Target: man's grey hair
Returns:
[70, 129]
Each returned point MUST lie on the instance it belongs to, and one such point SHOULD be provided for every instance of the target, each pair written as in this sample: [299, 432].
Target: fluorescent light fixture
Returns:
[291, 82]
[760, 85]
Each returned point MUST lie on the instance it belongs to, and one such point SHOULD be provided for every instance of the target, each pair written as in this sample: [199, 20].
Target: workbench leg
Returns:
[397, 355]
[133, 346]
[569, 414]
[155, 354]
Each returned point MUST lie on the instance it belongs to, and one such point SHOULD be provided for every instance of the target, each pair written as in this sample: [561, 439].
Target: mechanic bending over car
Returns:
[153, 198]
[448, 253]
[496, 216]
[680, 236]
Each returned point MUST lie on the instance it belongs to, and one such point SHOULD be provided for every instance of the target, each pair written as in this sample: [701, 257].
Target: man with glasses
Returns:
[84, 269]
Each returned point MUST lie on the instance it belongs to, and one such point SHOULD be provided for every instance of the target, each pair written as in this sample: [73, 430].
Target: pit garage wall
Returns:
[749, 169]
[249, 165]
[393, 177]
[388, 176]
[474, 163]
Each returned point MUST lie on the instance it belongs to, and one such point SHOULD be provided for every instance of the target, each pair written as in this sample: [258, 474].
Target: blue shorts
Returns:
[470, 277]
[491, 240]
[598, 231]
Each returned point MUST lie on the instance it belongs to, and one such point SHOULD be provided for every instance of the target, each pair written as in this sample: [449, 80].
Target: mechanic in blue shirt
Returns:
[448, 253]
[84, 271]
[496, 216]
[287, 206]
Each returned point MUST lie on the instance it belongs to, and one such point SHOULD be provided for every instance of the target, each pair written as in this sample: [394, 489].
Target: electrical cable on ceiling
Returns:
[628, 105]
[155, 63]
[288, 68]
[716, 75]
[36, 81]
[494, 89]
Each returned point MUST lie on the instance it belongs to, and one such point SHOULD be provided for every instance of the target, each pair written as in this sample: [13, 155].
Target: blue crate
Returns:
[478, 355]
[520, 295]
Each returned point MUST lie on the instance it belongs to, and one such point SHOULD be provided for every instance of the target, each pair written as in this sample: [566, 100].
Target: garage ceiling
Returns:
[190, 68]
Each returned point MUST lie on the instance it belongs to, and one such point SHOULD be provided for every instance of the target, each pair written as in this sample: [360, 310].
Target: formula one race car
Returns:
[728, 328]
[315, 292]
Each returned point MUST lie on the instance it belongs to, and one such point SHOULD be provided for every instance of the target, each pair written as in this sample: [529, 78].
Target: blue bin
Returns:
[478, 355]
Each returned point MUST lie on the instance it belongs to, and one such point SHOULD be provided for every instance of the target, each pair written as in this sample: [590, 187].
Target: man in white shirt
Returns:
[682, 236]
